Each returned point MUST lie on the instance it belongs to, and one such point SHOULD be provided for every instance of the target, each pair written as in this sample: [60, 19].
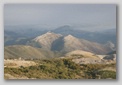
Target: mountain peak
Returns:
[47, 39]
[64, 28]
[49, 34]
[70, 37]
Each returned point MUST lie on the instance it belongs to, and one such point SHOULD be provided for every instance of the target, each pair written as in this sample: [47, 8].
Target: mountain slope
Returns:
[71, 43]
[57, 42]
[46, 40]
[26, 52]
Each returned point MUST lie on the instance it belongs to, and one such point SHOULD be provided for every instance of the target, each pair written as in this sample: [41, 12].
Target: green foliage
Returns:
[54, 69]
[107, 74]
[93, 71]
[62, 69]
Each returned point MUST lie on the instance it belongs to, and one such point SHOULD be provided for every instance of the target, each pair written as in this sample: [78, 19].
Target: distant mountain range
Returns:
[40, 44]
[98, 36]
[23, 35]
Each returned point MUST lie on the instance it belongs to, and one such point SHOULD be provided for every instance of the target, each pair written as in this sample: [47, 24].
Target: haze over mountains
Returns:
[57, 42]
[21, 34]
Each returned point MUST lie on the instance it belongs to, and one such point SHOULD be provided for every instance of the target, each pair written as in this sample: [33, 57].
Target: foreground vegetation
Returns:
[62, 69]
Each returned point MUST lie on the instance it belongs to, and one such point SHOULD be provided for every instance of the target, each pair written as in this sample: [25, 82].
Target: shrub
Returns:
[62, 69]
[107, 74]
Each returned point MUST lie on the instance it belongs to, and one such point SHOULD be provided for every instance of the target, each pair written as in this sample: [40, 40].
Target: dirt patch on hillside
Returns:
[18, 63]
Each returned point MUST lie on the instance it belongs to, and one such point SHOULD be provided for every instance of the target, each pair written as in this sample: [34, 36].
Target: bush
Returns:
[107, 74]
[62, 69]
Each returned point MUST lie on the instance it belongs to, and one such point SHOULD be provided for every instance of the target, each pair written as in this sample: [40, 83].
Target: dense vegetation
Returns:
[94, 71]
[62, 69]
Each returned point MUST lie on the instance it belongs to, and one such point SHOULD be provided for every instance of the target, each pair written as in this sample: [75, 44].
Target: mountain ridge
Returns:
[58, 42]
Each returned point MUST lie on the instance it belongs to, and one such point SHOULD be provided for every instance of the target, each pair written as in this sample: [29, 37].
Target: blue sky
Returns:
[80, 16]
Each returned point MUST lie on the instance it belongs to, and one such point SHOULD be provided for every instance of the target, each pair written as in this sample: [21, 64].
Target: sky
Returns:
[79, 16]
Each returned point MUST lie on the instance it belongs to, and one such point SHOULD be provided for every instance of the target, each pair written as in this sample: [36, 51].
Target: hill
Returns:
[26, 52]
[81, 54]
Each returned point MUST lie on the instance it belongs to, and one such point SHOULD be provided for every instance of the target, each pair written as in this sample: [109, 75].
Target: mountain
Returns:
[72, 43]
[57, 42]
[110, 45]
[98, 36]
[64, 30]
[26, 30]
[13, 38]
[51, 45]
[9, 37]
[26, 52]
[46, 40]
[19, 35]
[15, 35]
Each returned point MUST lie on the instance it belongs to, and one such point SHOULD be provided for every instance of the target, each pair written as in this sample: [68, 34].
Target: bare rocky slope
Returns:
[47, 39]
[57, 42]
